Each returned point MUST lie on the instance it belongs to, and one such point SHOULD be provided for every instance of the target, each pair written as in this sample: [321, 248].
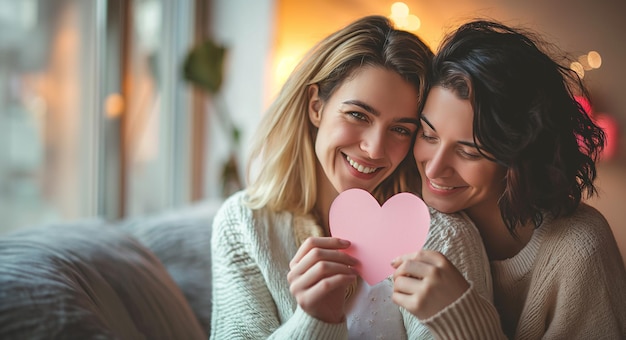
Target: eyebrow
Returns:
[471, 144]
[376, 113]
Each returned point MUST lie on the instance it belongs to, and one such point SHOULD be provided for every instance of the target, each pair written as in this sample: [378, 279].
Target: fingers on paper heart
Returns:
[411, 270]
[418, 265]
[312, 243]
[325, 274]
[318, 263]
[308, 295]
[432, 257]
[316, 255]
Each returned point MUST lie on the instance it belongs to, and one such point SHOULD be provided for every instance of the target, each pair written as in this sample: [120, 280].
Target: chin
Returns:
[444, 208]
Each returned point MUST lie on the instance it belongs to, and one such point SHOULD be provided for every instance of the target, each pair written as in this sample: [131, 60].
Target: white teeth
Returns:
[359, 167]
[440, 187]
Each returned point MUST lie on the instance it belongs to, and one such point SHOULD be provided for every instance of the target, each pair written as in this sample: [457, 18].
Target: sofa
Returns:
[140, 278]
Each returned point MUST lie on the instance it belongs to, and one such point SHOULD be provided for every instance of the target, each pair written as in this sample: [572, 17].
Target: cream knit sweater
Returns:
[568, 282]
[251, 251]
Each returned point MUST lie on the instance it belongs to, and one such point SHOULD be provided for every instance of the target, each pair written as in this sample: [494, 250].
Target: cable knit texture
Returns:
[569, 282]
[251, 251]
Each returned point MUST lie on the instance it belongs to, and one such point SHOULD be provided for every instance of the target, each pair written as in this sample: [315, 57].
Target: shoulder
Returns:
[579, 251]
[586, 214]
[233, 209]
[456, 237]
[586, 228]
[232, 221]
[582, 237]
[237, 221]
[446, 226]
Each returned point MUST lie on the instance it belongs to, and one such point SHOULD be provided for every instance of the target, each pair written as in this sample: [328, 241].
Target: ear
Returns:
[315, 105]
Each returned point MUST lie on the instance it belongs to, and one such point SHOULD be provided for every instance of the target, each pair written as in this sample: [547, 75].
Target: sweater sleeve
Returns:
[473, 315]
[243, 305]
[469, 317]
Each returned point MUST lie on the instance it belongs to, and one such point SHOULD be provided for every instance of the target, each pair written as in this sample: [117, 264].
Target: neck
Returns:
[321, 215]
[498, 241]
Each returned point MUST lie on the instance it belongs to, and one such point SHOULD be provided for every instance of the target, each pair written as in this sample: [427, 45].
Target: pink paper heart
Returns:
[379, 234]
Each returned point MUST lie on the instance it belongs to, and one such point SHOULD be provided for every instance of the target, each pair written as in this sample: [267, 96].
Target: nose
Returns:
[373, 143]
[439, 165]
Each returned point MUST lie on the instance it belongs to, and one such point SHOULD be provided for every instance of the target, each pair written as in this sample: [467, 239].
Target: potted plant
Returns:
[204, 68]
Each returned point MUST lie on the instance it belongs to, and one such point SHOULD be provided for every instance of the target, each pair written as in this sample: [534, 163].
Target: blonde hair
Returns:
[283, 147]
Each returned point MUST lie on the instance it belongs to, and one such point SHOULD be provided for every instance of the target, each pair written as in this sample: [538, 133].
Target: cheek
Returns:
[420, 152]
[398, 151]
[485, 177]
[339, 133]
[324, 137]
[321, 148]
[498, 182]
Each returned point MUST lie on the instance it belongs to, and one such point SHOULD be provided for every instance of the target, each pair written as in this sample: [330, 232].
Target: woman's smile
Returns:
[360, 167]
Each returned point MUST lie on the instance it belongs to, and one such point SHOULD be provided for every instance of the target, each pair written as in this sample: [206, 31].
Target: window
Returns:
[94, 118]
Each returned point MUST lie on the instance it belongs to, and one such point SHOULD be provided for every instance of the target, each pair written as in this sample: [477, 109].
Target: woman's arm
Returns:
[244, 307]
[464, 263]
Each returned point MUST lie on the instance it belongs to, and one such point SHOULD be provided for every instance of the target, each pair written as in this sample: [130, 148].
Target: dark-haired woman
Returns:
[503, 139]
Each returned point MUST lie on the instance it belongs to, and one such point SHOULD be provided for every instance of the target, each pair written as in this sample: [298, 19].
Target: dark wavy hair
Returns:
[526, 117]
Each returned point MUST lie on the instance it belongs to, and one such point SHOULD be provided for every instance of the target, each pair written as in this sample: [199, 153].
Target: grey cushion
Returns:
[88, 282]
[182, 241]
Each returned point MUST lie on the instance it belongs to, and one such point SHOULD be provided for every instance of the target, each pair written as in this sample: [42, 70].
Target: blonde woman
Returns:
[346, 118]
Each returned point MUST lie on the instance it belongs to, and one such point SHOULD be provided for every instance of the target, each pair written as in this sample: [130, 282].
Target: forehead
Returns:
[381, 88]
[447, 113]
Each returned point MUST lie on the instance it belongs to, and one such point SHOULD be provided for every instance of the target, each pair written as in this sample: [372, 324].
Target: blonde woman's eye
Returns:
[403, 131]
[357, 115]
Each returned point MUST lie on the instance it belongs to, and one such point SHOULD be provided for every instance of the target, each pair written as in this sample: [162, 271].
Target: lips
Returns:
[359, 167]
[440, 187]
[443, 190]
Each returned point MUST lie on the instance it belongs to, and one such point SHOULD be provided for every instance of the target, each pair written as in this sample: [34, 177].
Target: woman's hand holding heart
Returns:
[426, 282]
[319, 275]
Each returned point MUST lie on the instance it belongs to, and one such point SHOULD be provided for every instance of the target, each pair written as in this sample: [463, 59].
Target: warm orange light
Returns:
[400, 14]
[285, 61]
[578, 68]
[399, 9]
[413, 23]
[584, 63]
[284, 68]
[114, 105]
[594, 59]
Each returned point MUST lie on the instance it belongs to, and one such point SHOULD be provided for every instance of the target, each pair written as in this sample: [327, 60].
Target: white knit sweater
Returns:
[251, 251]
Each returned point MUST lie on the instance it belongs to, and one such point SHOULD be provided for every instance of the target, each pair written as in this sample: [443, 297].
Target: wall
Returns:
[246, 29]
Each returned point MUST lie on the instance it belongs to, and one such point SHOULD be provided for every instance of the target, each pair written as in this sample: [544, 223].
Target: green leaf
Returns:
[204, 66]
